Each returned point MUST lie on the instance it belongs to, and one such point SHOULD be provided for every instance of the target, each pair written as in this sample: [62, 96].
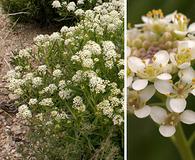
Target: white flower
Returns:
[93, 47]
[117, 120]
[187, 75]
[149, 72]
[46, 102]
[177, 105]
[164, 87]
[56, 4]
[24, 53]
[168, 121]
[24, 111]
[28, 76]
[22, 108]
[55, 36]
[78, 76]
[121, 74]
[62, 84]
[32, 101]
[108, 45]
[64, 29]
[137, 101]
[177, 93]
[65, 94]
[26, 114]
[79, 12]
[54, 113]
[97, 84]
[12, 74]
[39, 116]
[64, 3]
[71, 6]
[106, 108]
[88, 63]
[37, 81]
[114, 101]
[80, 2]
[41, 38]
[78, 104]
[18, 91]
[57, 73]
[42, 69]
[50, 89]
[156, 17]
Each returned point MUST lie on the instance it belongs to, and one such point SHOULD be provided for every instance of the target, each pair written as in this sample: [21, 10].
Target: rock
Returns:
[16, 129]
[13, 96]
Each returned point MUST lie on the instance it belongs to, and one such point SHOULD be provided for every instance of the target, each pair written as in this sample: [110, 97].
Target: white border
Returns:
[125, 80]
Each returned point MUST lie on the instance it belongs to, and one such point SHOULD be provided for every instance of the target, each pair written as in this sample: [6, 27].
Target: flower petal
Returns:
[187, 75]
[177, 104]
[135, 64]
[147, 93]
[193, 92]
[129, 81]
[164, 87]
[161, 57]
[158, 114]
[168, 105]
[139, 84]
[172, 58]
[164, 76]
[132, 33]
[180, 33]
[188, 117]
[143, 112]
[128, 51]
[169, 17]
[191, 27]
[167, 131]
[146, 19]
[184, 65]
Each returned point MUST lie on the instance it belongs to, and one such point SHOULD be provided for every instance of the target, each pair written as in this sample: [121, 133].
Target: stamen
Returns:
[156, 14]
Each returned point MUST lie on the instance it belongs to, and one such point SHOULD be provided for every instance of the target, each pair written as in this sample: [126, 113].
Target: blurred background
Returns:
[144, 139]
[136, 8]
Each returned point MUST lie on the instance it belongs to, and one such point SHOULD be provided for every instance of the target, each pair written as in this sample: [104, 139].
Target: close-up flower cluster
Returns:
[73, 81]
[160, 70]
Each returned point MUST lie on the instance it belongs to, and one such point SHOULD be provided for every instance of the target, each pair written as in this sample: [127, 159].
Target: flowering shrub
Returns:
[69, 88]
[160, 57]
[47, 11]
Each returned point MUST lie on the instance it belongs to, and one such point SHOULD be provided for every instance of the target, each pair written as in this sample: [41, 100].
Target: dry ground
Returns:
[12, 36]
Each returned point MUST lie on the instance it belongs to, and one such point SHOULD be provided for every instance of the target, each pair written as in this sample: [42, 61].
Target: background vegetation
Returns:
[42, 12]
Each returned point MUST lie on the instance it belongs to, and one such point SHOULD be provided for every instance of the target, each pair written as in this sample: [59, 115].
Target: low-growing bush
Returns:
[47, 11]
[69, 88]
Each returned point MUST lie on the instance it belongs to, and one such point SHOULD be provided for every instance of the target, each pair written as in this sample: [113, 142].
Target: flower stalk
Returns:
[181, 142]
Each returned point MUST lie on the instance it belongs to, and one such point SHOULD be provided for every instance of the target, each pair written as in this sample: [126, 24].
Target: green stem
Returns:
[192, 139]
[182, 144]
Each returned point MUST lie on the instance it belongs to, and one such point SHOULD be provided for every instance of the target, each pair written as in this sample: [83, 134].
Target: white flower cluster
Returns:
[78, 69]
[24, 112]
[56, 4]
[109, 109]
[78, 104]
[160, 53]
[46, 102]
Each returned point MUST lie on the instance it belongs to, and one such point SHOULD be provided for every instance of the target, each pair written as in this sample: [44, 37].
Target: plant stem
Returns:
[191, 139]
[182, 144]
